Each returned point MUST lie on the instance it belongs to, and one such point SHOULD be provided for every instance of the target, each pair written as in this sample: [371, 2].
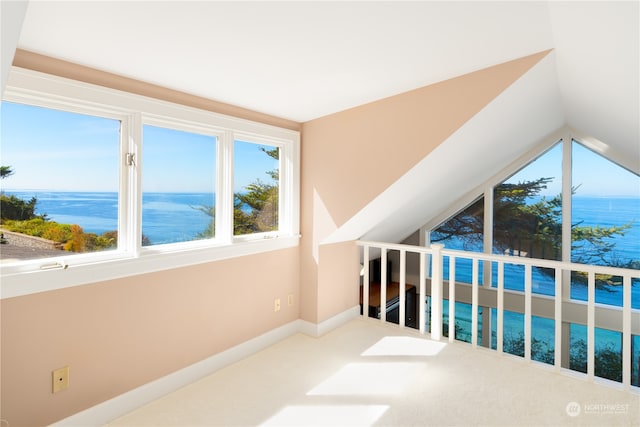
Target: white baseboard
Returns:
[112, 409]
[319, 329]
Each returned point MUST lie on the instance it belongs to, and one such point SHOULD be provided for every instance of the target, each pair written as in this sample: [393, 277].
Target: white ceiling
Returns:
[302, 60]
[296, 60]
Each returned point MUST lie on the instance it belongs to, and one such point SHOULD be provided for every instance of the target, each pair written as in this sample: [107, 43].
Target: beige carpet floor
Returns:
[369, 374]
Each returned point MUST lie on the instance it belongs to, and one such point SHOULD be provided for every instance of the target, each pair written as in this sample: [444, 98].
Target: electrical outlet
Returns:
[290, 300]
[60, 379]
[276, 305]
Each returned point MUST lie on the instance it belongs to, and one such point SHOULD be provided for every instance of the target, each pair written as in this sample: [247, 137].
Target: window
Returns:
[178, 186]
[256, 182]
[605, 223]
[60, 187]
[527, 220]
[464, 231]
[140, 184]
[527, 209]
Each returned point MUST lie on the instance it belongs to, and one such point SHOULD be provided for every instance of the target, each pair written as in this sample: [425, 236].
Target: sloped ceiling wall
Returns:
[505, 129]
[393, 164]
[597, 55]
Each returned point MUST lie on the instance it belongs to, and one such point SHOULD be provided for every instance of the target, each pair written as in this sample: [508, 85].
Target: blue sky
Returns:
[60, 151]
[592, 174]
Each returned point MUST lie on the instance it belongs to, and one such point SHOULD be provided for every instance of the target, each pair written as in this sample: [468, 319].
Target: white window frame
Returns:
[284, 191]
[134, 111]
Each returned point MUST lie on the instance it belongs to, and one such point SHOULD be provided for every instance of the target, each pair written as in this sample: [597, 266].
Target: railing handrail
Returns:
[508, 259]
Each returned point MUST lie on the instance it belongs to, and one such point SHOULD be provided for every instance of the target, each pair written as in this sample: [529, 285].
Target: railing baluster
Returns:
[591, 320]
[500, 326]
[383, 285]
[562, 272]
[626, 332]
[436, 292]
[423, 294]
[452, 298]
[557, 352]
[403, 287]
[365, 282]
[474, 302]
[527, 312]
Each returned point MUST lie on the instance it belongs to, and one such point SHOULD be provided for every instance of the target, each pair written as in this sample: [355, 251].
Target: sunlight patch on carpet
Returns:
[369, 379]
[404, 346]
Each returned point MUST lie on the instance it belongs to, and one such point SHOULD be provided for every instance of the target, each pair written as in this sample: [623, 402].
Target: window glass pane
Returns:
[542, 333]
[60, 180]
[462, 320]
[527, 220]
[178, 186]
[464, 231]
[605, 213]
[527, 210]
[608, 352]
[256, 184]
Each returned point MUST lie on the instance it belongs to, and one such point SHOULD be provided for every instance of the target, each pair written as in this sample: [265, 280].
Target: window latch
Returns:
[131, 159]
[54, 265]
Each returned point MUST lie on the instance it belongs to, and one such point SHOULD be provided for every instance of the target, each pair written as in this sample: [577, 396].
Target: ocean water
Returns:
[166, 217]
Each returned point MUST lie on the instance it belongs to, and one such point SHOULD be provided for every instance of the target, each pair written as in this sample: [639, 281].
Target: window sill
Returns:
[26, 283]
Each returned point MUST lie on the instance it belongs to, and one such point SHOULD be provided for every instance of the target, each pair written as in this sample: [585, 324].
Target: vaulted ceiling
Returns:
[303, 60]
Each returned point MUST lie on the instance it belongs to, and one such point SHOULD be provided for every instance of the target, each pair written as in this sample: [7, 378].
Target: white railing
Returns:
[559, 307]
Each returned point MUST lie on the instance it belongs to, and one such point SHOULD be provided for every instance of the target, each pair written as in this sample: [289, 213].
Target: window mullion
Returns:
[224, 190]
[131, 187]
[289, 196]
[488, 233]
[567, 186]
[283, 192]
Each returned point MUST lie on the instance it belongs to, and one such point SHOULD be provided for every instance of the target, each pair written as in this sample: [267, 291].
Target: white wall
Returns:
[12, 15]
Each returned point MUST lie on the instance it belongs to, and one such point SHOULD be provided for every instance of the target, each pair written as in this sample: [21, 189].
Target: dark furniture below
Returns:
[393, 303]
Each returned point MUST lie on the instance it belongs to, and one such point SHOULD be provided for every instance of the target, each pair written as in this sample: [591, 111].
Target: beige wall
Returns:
[337, 285]
[350, 157]
[45, 64]
[121, 334]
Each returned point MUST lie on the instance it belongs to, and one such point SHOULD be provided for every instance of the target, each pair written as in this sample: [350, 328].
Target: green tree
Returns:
[13, 207]
[521, 228]
[254, 210]
[535, 230]
[5, 171]
[211, 229]
[608, 360]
